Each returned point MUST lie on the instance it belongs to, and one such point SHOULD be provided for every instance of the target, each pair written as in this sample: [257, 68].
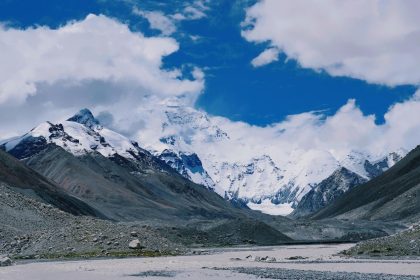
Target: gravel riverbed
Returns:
[277, 262]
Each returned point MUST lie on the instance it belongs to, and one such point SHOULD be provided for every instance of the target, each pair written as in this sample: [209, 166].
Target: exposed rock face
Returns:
[393, 195]
[327, 191]
[189, 166]
[27, 147]
[340, 182]
[86, 118]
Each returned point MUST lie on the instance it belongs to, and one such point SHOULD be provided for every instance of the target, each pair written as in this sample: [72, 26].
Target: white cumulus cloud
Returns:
[327, 136]
[266, 57]
[158, 21]
[374, 40]
[48, 74]
[167, 23]
[98, 61]
[195, 10]
[97, 48]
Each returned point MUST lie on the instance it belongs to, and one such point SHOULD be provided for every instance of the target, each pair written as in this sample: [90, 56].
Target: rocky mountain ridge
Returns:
[392, 196]
[189, 140]
[264, 181]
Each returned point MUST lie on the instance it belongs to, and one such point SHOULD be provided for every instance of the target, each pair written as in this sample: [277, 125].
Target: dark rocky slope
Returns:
[405, 243]
[392, 196]
[126, 190]
[326, 192]
[33, 229]
[147, 191]
[25, 180]
[150, 193]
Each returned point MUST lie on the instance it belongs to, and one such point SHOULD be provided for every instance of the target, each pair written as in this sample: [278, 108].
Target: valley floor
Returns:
[291, 262]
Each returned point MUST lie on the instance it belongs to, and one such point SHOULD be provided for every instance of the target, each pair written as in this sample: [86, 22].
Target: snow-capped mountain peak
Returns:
[240, 168]
[86, 118]
[79, 135]
[207, 151]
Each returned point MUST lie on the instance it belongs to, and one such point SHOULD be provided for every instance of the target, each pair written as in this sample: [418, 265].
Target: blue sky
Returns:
[233, 87]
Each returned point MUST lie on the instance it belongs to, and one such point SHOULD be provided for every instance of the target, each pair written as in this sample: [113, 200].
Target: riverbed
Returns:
[276, 262]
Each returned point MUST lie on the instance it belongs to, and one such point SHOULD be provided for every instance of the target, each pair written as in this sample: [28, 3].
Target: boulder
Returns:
[135, 244]
[5, 261]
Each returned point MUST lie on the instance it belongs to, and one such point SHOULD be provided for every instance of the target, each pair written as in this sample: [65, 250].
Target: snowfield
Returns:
[272, 209]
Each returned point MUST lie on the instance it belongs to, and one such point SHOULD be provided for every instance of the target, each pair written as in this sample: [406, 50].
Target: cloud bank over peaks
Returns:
[336, 136]
[376, 40]
[286, 158]
[96, 62]
[96, 48]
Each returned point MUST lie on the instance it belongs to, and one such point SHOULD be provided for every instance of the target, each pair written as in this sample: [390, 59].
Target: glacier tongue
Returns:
[266, 206]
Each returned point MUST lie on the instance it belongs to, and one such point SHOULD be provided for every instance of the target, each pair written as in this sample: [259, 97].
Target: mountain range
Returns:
[107, 170]
[206, 150]
[303, 185]
[81, 168]
[394, 195]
